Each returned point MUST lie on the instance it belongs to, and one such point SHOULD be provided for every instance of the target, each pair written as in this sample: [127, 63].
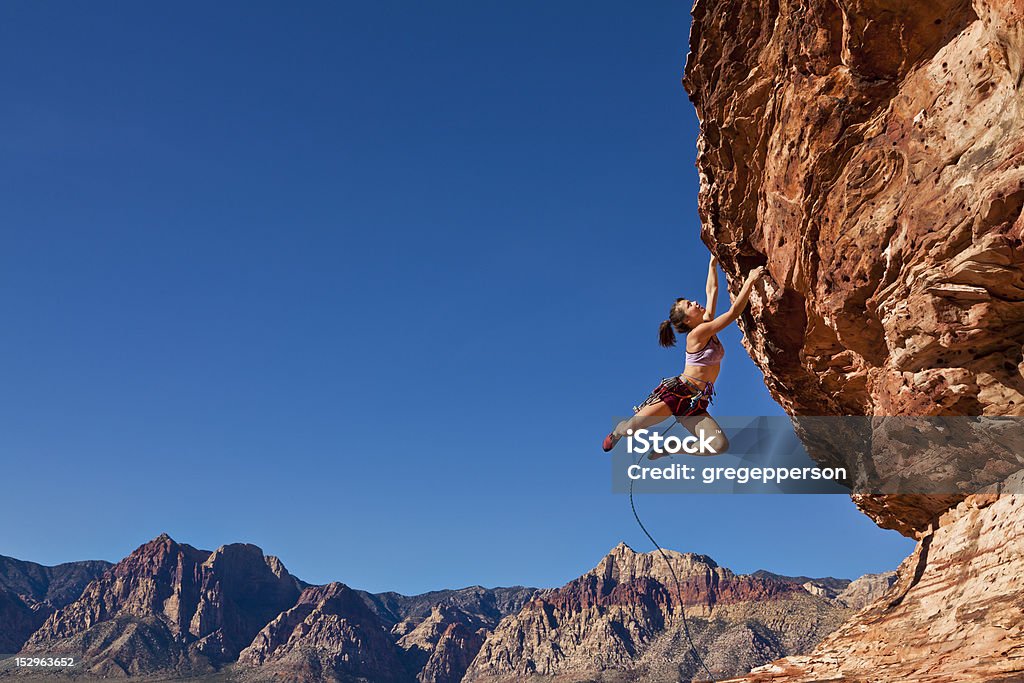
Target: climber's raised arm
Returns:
[703, 332]
[712, 289]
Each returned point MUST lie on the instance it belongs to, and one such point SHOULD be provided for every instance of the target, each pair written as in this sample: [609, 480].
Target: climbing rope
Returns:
[671, 569]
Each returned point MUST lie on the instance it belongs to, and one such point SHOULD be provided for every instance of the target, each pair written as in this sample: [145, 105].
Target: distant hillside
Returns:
[30, 592]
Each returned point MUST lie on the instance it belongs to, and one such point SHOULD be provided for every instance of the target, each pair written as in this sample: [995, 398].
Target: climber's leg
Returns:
[696, 424]
[703, 422]
[648, 415]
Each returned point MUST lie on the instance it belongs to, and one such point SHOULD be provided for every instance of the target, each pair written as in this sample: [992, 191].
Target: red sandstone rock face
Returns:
[869, 153]
[955, 616]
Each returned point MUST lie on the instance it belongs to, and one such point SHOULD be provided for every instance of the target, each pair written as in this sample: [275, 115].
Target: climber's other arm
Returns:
[712, 289]
[703, 332]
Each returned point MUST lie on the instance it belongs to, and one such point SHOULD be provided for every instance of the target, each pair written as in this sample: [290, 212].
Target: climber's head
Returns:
[682, 317]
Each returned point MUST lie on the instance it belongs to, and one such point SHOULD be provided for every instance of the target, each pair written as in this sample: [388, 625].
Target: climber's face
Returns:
[693, 312]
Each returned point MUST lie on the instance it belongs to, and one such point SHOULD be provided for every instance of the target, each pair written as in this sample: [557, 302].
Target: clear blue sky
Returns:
[361, 283]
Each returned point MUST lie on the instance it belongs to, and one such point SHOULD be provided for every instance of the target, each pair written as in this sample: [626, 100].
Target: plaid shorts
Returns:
[683, 397]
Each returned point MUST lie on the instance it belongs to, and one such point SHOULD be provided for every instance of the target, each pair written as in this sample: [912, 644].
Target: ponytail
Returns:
[676, 323]
[666, 336]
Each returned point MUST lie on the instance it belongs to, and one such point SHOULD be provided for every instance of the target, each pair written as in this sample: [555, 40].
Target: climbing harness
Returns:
[671, 569]
[704, 397]
[682, 395]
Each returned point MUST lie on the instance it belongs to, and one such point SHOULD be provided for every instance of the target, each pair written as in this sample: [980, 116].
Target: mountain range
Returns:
[172, 611]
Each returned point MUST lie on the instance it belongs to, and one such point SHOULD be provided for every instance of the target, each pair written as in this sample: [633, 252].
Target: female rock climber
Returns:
[687, 396]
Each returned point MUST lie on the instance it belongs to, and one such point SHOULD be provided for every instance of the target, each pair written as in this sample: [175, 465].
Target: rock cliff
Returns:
[479, 605]
[955, 614]
[870, 153]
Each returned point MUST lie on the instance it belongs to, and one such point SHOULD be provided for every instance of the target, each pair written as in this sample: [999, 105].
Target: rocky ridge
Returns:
[485, 606]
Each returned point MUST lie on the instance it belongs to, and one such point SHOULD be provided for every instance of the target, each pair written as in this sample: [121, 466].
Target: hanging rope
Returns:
[671, 569]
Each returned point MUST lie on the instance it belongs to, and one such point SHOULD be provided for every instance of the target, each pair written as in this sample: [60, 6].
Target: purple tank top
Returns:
[711, 354]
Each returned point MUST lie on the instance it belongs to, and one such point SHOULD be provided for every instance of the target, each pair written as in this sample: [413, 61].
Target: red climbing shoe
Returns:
[610, 441]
